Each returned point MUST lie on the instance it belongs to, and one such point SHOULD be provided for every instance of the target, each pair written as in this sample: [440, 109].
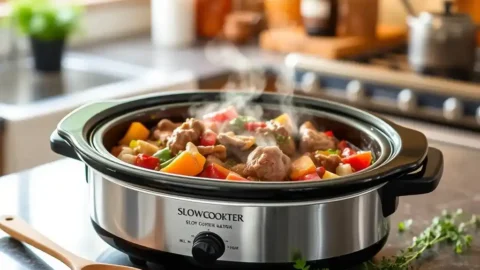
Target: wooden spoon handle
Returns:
[20, 230]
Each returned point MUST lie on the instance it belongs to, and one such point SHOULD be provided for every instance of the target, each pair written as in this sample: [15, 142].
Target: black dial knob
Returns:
[207, 247]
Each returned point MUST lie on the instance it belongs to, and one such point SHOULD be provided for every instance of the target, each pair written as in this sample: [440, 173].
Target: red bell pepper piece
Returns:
[215, 171]
[320, 171]
[310, 176]
[329, 133]
[252, 126]
[342, 145]
[223, 115]
[359, 161]
[347, 151]
[208, 138]
[146, 161]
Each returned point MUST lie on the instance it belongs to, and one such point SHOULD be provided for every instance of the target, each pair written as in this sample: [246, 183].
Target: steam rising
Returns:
[248, 76]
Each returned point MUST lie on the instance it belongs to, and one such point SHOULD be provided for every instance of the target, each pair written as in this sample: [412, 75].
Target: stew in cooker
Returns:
[227, 145]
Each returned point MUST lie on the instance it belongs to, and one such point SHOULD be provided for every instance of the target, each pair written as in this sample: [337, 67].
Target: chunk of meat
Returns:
[229, 139]
[162, 136]
[121, 149]
[188, 131]
[275, 127]
[312, 140]
[282, 136]
[330, 163]
[267, 163]
[211, 125]
[128, 158]
[239, 168]
[164, 130]
[124, 153]
[167, 125]
[288, 146]
[218, 151]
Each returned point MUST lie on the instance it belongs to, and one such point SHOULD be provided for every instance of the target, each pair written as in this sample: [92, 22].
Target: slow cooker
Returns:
[155, 217]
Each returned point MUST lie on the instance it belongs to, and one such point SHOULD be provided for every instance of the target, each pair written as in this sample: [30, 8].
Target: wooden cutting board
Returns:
[296, 40]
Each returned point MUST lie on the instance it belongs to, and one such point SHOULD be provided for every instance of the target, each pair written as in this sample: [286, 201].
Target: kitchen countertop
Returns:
[156, 67]
[203, 59]
[53, 199]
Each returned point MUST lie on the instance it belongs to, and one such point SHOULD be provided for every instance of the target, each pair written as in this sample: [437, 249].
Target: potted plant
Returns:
[48, 26]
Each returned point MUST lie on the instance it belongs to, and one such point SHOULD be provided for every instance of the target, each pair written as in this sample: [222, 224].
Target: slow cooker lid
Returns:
[393, 160]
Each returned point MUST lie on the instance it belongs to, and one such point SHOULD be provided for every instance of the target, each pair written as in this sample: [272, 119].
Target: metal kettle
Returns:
[442, 44]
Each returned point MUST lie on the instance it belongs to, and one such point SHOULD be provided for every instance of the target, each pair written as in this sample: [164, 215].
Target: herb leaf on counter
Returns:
[446, 228]
[404, 225]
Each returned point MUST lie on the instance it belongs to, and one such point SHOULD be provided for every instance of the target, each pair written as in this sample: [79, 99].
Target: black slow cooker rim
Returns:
[246, 190]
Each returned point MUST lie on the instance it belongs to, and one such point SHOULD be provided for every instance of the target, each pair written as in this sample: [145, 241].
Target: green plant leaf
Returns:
[45, 19]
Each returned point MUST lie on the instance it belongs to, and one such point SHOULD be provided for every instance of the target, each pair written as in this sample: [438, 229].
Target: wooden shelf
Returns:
[290, 40]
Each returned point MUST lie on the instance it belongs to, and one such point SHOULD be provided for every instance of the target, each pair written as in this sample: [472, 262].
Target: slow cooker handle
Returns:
[62, 147]
[67, 138]
[424, 180]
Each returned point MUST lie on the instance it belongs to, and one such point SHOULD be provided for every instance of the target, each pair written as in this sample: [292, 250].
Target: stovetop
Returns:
[384, 83]
[397, 60]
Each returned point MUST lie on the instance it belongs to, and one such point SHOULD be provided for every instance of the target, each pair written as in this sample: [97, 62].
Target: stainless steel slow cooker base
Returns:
[249, 232]
[140, 256]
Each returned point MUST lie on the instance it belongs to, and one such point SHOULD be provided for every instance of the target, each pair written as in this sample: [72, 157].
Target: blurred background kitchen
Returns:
[414, 60]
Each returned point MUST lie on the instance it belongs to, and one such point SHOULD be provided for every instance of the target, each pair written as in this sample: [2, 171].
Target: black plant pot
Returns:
[47, 54]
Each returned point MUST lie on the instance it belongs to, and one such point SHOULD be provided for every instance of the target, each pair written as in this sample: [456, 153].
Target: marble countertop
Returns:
[53, 199]
[204, 59]
[145, 66]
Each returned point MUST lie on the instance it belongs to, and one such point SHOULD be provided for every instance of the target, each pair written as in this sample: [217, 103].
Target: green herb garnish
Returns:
[238, 124]
[280, 138]
[404, 225]
[444, 229]
[301, 264]
[333, 151]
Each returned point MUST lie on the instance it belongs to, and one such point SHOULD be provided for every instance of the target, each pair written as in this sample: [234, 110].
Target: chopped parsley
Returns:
[238, 124]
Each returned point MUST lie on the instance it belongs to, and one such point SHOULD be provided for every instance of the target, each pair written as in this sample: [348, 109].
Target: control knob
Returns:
[452, 109]
[207, 247]
[407, 101]
[310, 82]
[355, 91]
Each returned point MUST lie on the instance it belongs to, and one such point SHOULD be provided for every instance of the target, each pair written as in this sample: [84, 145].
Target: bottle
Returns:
[471, 7]
[282, 13]
[319, 17]
[211, 15]
[358, 18]
[173, 23]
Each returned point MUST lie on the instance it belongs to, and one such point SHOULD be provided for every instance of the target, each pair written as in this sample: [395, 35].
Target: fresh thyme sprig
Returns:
[444, 229]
